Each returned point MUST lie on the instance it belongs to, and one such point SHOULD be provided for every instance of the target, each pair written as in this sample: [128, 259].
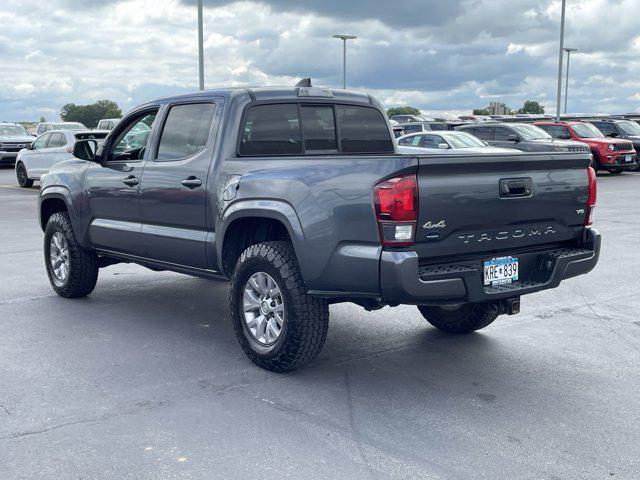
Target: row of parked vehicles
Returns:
[613, 143]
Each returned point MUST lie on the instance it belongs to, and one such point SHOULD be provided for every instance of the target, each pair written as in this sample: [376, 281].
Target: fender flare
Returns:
[60, 193]
[274, 209]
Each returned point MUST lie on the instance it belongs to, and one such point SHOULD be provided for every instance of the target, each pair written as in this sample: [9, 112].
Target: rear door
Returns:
[482, 204]
[173, 195]
[501, 138]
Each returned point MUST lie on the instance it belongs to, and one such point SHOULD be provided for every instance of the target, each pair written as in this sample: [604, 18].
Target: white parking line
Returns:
[16, 187]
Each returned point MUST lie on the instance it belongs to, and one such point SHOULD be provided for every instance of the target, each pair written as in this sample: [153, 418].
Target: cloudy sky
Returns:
[434, 54]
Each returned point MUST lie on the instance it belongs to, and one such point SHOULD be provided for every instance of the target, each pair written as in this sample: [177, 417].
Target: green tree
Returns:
[480, 111]
[89, 115]
[42, 119]
[402, 111]
[531, 106]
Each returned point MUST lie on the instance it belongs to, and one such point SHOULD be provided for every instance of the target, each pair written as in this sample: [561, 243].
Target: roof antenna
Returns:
[305, 82]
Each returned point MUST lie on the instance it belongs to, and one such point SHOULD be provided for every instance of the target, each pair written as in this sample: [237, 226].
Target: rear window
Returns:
[363, 130]
[275, 129]
[90, 135]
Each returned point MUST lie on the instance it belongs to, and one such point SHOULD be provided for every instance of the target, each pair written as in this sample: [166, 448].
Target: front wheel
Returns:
[463, 318]
[72, 270]
[23, 177]
[616, 171]
[279, 326]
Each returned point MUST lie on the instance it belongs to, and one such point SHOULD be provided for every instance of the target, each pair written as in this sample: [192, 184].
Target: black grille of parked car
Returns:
[12, 146]
[622, 147]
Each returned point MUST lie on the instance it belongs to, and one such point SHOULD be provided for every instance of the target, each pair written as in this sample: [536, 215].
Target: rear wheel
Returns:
[23, 178]
[278, 325]
[464, 318]
[72, 270]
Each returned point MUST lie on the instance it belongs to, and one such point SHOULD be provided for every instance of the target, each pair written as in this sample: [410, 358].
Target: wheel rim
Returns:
[59, 258]
[22, 174]
[263, 306]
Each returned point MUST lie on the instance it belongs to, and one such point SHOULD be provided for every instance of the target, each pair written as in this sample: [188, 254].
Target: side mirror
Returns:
[613, 135]
[513, 137]
[564, 136]
[30, 146]
[86, 150]
[443, 146]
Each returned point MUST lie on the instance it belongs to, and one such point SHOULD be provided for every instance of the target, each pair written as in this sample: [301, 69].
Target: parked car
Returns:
[300, 198]
[13, 138]
[623, 129]
[446, 142]
[47, 150]
[416, 127]
[107, 123]
[612, 155]
[411, 118]
[49, 126]
[521, 136]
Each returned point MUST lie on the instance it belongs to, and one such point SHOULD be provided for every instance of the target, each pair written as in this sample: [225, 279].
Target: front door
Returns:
[173, 193]
[112, 188]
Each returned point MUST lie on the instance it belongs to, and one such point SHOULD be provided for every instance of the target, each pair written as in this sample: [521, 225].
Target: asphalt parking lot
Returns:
[144, 379]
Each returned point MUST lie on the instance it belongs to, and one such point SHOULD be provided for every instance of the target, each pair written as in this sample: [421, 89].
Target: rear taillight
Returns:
[593, 191]
[396, 204]
[70, 149]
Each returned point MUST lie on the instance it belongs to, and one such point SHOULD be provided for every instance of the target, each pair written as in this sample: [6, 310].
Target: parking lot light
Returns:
[560, 58]
[344, 39]
[566, 87]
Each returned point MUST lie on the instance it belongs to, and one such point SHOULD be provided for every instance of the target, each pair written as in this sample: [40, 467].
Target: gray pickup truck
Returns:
[299, 197]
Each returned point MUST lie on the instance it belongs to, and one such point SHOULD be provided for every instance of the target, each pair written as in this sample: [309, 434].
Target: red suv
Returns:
[614, 155]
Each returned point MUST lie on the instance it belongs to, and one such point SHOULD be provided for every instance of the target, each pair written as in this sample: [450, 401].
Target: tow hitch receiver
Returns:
[510, 306]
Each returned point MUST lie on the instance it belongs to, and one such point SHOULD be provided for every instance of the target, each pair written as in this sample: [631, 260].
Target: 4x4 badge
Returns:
[429, 225]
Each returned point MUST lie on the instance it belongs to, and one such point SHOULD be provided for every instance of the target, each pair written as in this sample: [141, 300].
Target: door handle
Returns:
[131, 181]
[191, 182]
[516, 187]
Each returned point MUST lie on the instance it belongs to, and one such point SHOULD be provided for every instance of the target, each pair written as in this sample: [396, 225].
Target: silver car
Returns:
[446, 141]
[47, 150]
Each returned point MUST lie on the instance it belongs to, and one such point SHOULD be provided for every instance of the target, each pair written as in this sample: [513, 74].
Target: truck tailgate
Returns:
[488, 204]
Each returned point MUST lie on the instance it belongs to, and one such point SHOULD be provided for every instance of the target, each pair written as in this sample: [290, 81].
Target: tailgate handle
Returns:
[516, 187]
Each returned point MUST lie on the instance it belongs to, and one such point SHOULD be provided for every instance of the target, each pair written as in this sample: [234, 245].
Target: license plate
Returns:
[628, 158]
[501, 270]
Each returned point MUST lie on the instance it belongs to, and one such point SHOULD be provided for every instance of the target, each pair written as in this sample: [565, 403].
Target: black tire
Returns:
[465, 318]
[616, 171]
[83, 264]
[23, 178]
[306, 318]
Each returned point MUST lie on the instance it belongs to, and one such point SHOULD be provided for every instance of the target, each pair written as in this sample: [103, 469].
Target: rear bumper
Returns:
[403, 280]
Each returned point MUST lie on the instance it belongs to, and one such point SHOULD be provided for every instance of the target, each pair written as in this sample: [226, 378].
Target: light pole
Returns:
[344, 39]
[560, 55]
[200, 46]
[566, 86]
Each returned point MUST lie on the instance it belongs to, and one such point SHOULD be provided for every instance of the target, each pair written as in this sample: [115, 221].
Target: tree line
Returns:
[90, 115]
[530, 106]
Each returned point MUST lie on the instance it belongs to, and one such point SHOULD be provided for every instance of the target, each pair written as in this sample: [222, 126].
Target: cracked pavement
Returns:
[144, 378]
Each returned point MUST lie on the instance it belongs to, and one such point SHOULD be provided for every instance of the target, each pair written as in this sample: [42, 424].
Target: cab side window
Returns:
[606, 128]
[41, 141]
[502, 134]
[186, 131]
[483, 133]
[56, 140]
[131, 142]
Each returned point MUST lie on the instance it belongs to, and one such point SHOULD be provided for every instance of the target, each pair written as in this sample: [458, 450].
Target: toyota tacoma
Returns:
[298, 196]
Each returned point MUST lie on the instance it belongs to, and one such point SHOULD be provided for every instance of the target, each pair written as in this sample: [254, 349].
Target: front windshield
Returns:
[13, 131]
[531, 132]
[629, 127]
[586, 130]
[464, 140]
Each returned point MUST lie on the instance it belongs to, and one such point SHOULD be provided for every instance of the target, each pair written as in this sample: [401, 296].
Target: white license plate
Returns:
[501, 270]
[628, 158]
